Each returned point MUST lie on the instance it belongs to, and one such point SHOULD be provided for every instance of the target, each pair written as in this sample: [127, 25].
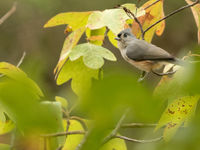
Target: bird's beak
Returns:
[117, 38]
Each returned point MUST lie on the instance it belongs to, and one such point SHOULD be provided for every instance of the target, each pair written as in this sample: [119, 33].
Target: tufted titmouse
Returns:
[144, 56]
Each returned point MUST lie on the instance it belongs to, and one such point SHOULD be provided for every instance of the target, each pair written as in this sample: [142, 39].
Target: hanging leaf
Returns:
[92, 55]
[196, 12]
[69, 43]
[152, 15]
[75, 20]
[178, 112]
[80, 74]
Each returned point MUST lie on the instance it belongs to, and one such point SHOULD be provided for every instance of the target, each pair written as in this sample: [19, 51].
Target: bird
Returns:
[143, 55]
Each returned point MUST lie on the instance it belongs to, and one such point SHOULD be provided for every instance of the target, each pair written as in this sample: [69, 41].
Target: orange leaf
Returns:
[153, 14]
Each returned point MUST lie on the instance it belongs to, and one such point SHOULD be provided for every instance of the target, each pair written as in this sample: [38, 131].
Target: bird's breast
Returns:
[145, 65]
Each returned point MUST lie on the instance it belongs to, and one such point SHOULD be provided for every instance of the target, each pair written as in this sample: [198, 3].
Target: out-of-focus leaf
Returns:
[196, 12]
[62, 101]
[69, 43]
[2, 115]
[114, 19]
[74, 19]
[96, 36]
[18, 75]
[4, 147]
[111, 37]
[153, 14]
[92, 55]
[176, 114]
[6, 127]
[73, 141]
[19, 96]
[110, 98]
[117, 144]
[80, 74]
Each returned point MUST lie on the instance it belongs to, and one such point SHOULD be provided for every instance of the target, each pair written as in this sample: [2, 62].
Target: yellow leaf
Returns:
[74, 19]
[196, 12]
[176, 114]
[72, 141]
[153, 14]
[69, 43]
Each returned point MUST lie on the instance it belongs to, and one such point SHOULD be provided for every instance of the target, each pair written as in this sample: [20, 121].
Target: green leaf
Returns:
[111, 37]
[117, 144]
[6, 127]
[80, 74]
[114, 19]
[176, 114]
[92, 55]
[69, 43]
[74, 19]
[16, 74]
[73, 141]
[62, 101]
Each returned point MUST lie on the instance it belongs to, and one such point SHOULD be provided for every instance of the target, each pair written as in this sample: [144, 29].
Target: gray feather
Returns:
[139, 50]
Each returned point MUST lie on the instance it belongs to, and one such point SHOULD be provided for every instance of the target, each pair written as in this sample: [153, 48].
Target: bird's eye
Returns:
[119, 35]
[125, 35]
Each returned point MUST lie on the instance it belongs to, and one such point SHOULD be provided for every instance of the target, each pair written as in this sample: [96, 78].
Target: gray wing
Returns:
[141, 50]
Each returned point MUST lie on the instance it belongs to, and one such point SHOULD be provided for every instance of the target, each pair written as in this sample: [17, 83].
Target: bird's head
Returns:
[124, 37]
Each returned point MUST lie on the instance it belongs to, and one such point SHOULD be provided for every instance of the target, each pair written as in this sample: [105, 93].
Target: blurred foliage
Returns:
[34, 122]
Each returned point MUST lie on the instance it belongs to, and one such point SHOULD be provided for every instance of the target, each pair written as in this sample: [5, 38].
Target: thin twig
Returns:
[79, 120]
[151, 4]
[138, 125]
[9, 13]
[21, 60]
[63, 133]
[114, 132]
[138, 141]
[135, 18]
[169, 15]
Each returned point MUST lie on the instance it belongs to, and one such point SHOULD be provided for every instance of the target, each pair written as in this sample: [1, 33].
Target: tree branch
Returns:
[8, 14]
[63, 133]
[137, 125]
[128, 12]
[169, 15]
[138, 141]
[151, 4]
[114, 132]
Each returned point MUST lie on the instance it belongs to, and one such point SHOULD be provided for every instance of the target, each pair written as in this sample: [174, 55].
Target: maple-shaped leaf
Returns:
[114, 19]
[92, 55]
[75, 20]
[69, 43]
[80, 74]
[152, 15]
[196, 12]
[178, 112]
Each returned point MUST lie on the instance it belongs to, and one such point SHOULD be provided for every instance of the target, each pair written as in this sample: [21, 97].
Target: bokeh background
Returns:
[24, 31]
